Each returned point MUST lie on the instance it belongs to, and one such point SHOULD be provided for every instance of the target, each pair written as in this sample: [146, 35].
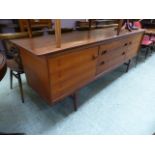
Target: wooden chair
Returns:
[12, 53]
[36, 24]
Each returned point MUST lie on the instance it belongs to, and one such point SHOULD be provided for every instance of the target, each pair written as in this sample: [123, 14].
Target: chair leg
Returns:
[11, 79]
[20, 86]
[128, 65]
[74, 96]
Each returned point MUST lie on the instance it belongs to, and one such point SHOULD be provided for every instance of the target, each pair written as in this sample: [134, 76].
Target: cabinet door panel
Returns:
[71, 71]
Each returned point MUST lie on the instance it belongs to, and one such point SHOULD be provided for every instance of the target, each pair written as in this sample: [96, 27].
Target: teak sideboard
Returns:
[55, 73]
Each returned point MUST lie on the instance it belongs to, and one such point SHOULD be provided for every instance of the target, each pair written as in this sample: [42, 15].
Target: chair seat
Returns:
[12, 64]
[146, 42]
[152, 38]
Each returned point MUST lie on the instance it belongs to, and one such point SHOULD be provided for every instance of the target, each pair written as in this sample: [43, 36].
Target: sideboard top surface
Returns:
[46, 44]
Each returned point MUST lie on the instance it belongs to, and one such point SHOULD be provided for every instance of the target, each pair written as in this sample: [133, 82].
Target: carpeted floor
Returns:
[118, 103]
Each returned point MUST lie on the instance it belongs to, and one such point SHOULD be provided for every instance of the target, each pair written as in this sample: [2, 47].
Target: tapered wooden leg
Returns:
[151, 48]
[137, 58]
[128, 65]
[21, 88]
[74, 96]
[11, 78]
[146, 53]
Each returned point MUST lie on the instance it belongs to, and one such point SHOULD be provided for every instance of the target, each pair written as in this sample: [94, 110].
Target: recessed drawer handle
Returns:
[102, 63]
[123, 53]
[103, 52]
[125, 44]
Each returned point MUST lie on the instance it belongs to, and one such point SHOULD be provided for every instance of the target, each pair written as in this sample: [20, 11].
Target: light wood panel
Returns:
[55, 73]
[69, 70]
[58, 32]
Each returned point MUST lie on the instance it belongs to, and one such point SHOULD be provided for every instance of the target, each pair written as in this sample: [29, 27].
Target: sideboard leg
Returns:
[128, 65]
[146, 52]
[137, 58]
[74, 97]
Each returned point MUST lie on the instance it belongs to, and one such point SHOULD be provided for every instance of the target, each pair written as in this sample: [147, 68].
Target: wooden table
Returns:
[3, 66]
[55, 73]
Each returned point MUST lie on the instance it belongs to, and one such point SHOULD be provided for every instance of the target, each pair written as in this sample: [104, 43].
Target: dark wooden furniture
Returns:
[148, 23]
[84, 56]
[3, 66]
[36, 24]
[95, 23]
[150, 31]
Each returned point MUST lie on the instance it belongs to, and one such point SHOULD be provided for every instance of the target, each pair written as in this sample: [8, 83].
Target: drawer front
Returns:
[115, 44]
[133, 46]
[108, 64]
[111, 55]
[71, 71]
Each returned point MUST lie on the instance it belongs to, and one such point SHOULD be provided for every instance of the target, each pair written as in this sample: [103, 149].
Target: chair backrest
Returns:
[146, 38]
[36, 24]
[137, 24]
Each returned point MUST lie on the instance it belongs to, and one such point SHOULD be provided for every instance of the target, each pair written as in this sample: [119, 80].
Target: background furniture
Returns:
[95, 23]
[36, 24]
[3, 66]
[14, 62]
[148, 23]
[3, 69]
[146, 42]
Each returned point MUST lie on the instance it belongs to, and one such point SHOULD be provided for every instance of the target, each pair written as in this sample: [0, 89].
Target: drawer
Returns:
[107, 65]
[109, 55]
[115, 44]
[119, 43]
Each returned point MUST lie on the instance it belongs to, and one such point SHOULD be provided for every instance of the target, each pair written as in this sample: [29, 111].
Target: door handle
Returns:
[130, 42]
[94, 57]
[123, 53]
[125, 44]
[102, 63]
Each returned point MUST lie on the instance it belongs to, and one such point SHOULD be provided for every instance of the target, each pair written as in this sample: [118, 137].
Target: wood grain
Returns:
[55, 73]
[58, 32]
[45, 45]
